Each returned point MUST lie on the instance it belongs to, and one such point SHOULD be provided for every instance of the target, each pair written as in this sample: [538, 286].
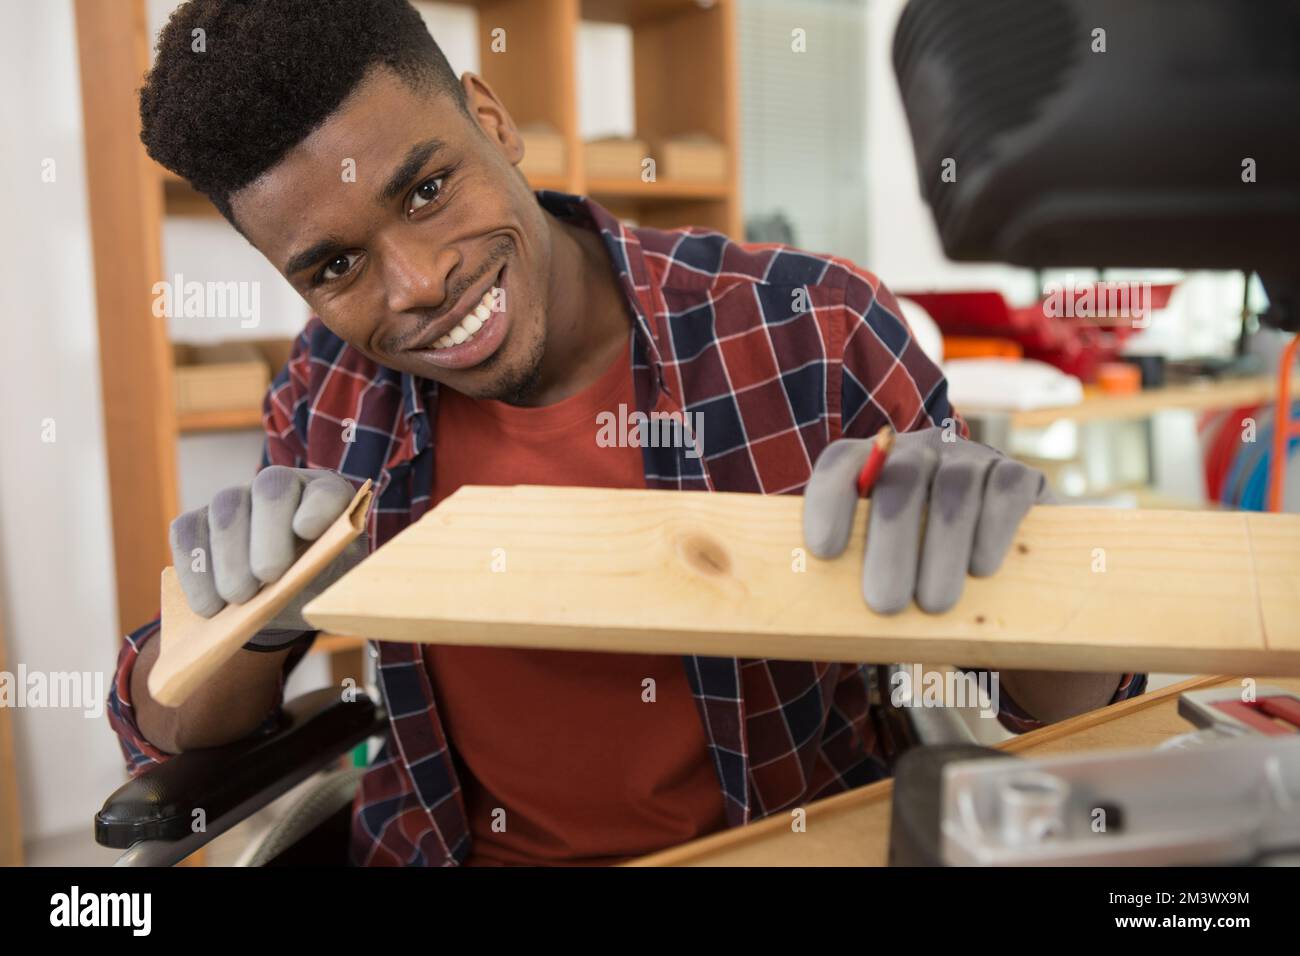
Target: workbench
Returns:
[852, 829]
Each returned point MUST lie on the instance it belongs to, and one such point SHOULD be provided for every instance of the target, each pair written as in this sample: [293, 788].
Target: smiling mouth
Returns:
[478, 315]
[474, 339]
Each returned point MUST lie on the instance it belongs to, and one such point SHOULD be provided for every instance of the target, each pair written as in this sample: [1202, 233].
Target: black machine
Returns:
[1111, 133]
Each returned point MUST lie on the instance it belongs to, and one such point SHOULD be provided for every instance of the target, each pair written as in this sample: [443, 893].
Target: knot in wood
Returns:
[704, 554]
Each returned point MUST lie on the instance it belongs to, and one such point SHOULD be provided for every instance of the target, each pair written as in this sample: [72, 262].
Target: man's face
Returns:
[397, 219]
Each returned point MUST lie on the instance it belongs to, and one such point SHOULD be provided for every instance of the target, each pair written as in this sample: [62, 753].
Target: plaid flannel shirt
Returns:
[782, 352]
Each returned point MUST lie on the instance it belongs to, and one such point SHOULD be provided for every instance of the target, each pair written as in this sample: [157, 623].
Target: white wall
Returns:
[57, 595]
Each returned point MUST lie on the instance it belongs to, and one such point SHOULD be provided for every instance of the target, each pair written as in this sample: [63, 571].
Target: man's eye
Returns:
[338, 267]
[425, 193]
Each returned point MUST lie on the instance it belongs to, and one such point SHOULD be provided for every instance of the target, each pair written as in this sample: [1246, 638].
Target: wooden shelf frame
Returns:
[126, 213]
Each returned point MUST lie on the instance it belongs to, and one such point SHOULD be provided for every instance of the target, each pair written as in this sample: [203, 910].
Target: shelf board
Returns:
[558, 183]
[620, 11]
[661, 189]
[222, 420]
[1100, 406]
[639, 11]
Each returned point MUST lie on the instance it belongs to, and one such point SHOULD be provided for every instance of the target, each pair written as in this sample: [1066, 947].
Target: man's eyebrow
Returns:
[418, 155]
[310, 256]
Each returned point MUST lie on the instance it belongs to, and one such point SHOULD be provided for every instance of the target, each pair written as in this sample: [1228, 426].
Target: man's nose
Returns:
[415, 276]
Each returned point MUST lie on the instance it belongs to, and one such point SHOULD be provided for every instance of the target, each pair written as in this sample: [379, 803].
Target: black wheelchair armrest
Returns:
[231, 782]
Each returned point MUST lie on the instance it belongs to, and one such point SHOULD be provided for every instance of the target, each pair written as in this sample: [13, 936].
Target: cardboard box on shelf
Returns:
[614, 157]
[694, 157]
[226, 375]
[543, 150]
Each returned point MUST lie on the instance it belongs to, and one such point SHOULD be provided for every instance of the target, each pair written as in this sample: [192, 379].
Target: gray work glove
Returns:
[976, 498]
[251, 534]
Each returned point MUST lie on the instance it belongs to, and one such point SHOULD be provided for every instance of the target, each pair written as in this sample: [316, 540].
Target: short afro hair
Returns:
[268, 72]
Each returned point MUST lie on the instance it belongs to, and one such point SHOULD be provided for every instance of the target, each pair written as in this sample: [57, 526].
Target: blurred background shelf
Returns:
[1101, 406]
[640, 11]
[660, 189]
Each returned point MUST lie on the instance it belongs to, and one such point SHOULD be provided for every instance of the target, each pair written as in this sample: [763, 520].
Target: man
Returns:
[468, 330]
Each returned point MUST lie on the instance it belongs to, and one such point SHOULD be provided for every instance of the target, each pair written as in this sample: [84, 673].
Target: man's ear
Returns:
[492, 117]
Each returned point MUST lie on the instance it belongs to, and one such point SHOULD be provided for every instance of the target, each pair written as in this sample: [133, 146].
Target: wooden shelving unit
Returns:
[223, 420]
[685, 79]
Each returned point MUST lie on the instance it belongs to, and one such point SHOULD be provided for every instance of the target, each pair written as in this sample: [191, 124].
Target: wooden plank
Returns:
[717, 574]
[1277, 573]
[852, 829]
[125, 195]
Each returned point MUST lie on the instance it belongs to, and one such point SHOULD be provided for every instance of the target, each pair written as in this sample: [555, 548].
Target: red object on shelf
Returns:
[1074, 344]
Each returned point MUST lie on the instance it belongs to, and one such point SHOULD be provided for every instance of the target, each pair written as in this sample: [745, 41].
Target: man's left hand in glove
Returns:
[941, 507]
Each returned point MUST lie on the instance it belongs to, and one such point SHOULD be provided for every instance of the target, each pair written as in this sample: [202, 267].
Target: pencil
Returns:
[876, 461]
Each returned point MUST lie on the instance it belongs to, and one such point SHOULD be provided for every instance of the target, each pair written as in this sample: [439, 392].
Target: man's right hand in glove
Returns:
[248, 536]
[224, 553]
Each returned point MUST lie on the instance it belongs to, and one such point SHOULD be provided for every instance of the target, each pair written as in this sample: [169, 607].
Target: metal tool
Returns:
[1232, 800]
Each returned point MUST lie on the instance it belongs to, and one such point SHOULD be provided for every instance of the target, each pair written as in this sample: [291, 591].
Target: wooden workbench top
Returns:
[852, 829]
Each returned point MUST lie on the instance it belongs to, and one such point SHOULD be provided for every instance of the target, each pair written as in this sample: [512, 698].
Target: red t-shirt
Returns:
[585, 769]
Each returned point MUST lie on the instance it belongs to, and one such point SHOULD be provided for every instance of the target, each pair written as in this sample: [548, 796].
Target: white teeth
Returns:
[467, 326]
